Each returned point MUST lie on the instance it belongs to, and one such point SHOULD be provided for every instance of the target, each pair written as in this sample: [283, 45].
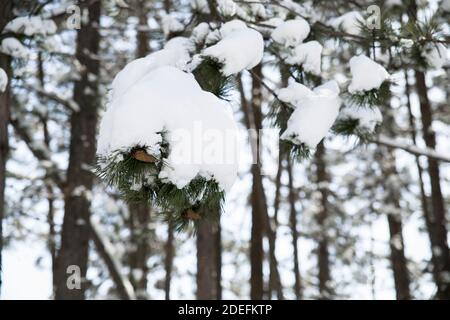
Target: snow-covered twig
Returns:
[106, 251]
[430, 153]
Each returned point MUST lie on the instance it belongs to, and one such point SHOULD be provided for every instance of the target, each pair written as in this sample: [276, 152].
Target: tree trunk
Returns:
[258, 203]
[294, 231]
[75, 230]
[168, 261]
[6, 15]
[206, 262]
[140, 239]
[437, 219]
[322, 248]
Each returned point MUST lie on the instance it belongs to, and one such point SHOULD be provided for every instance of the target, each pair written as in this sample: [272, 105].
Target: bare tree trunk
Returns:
[168, 261]
[322, 250]
[257, 198]
[6, 9]
[206, 263]
[75, 230]
[293, 224]
[218, 260]
[140, 239]
[437, 219]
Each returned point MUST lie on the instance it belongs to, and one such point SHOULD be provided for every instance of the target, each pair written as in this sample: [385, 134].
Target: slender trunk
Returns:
[75, 230]
[437, 219]
[168, 261]
[392, 198]
[6, 9]
[206, 265]
[322, 249]
[218, 259]
[140, 239]
[257, 198]
[293, 224]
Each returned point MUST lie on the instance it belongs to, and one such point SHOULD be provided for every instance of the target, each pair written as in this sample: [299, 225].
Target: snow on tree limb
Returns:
[391, 143]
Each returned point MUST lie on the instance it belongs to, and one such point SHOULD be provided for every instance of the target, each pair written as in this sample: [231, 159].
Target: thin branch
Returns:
[428, 152]
[106, 251]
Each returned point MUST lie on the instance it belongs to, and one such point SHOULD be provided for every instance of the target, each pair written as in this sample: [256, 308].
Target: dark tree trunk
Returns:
[6, 15]
[75, 230]
[437, 219]
[258, 203]
[293, 224]
[140, 239]
[168, 261]
[206, 260]
[322, 247]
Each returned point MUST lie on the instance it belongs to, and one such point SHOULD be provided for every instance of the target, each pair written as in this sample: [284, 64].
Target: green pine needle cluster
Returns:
[208, 74]
[350, 127]
[138, 181]
[369, 99]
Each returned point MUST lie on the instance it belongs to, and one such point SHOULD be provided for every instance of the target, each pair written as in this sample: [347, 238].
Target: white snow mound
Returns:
[314, 114]
[366, 74]
[291, 32]
[198, 126]
[308, 55]
[238, 50]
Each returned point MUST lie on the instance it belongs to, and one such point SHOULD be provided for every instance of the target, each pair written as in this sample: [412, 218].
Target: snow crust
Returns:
[31, 25]
[308, 55]
[314, 114]
[291, 32]
[238, 50]
[14, 48]
[199, 127]
[349, 22]
[366, 74]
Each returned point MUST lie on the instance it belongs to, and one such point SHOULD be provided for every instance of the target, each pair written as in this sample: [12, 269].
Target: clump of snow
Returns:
[238, 50]
[200, 6]
[198, 126]
[349, 22]
[314, 114]
[308, 55]
[227, 8]
[435, 54]
[291, 32]
[366, 74]
[232, 26]
[368, 118]
[200, 32]
[31, 25]
[170, 24]
[137, 69]
[3, 80]
[14, 48]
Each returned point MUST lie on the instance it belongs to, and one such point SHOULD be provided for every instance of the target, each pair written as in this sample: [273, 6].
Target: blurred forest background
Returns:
[355, 221]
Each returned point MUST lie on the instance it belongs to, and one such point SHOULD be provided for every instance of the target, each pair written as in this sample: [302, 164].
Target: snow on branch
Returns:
[430, 153]
[66, 102]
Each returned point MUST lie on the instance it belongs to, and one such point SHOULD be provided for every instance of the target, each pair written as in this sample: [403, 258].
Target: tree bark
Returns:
[437, 219]
[322, 248]
[293, 224]
[140, 239]
[168, 261]
[206, 262]
[258, 203]
[6, 9]
[75, 230]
